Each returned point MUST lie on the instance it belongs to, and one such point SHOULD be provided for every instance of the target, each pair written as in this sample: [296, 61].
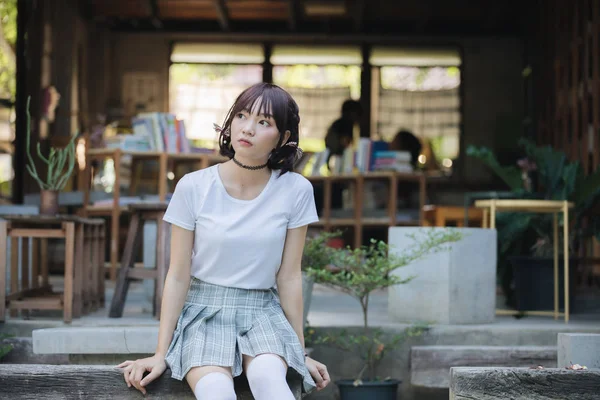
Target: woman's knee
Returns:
[210, 381]
[265, 367]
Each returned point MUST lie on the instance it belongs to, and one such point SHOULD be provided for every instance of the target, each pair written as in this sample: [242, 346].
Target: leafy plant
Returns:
[317, 252]
[558, 178]
[4, 348]
[360, 271]
[56, 177]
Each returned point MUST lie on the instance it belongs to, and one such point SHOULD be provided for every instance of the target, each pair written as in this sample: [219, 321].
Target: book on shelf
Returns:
[372, 155]
[154, 131]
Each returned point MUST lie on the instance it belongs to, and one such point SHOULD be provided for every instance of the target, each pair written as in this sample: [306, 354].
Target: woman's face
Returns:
[254, 134]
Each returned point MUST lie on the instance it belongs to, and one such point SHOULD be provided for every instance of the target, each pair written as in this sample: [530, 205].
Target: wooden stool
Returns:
[441, 215]
[139, 213]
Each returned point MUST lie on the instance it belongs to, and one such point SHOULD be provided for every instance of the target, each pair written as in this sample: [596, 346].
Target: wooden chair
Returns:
[139, 213]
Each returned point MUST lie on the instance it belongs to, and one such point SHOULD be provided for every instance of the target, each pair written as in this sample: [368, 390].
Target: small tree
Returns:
[361, 271]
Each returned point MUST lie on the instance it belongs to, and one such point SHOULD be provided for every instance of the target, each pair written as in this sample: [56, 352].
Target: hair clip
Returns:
[299, 151]
[218, 129]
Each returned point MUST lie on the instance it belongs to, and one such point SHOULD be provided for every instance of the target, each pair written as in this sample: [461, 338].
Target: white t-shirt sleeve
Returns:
[304, 210]
[180, 210]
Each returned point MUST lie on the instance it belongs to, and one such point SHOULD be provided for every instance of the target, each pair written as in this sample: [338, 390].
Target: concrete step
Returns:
[523, 384]
[99, 382]
[430, 365]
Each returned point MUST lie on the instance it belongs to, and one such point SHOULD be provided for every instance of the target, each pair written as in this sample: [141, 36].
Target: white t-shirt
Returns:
[239, 243]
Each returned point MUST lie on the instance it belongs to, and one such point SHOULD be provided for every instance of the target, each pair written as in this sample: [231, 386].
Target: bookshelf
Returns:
[115, 209]
[359, 221]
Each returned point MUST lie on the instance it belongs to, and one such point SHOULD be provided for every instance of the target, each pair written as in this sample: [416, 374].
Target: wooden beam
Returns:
[87, 381]
[154, 17]
[293, 14]
[222, 15]
[359, 13]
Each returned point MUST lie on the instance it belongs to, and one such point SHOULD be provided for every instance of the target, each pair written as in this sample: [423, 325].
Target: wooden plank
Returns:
[522, 383]
[3, 283]
[38, 303]
[14, 269]
[44, 261]
[222, 15]
[69, 271]
[430, 365]
[133, 237]
[102, 382]
[141, 273]
[596, 81]
[36, 233]
[33, 292]
[35, 263]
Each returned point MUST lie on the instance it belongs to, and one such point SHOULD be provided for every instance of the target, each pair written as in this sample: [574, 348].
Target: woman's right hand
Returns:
[133, 371]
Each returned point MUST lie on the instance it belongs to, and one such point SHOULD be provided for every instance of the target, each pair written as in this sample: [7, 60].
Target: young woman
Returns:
[232, 299]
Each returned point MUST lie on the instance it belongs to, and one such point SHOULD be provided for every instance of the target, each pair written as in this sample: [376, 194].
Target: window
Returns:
[205, 79]
[320, 78]
[419, 91]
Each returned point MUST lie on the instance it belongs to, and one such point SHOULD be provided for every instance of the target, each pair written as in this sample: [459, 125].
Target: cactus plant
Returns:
[57, 176]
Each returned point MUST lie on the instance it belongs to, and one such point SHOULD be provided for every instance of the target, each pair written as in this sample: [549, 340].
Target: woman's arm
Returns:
[174, 294]
[289, 279]
[289, 286]
[176, 285]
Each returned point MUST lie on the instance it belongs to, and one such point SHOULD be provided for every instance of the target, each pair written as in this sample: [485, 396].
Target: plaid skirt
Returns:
[218, 324]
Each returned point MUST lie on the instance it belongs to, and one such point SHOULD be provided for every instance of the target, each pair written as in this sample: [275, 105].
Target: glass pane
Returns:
[424, 101]
[201, 95]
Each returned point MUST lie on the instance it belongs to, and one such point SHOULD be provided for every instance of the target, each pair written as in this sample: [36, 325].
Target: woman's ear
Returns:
[286, 136]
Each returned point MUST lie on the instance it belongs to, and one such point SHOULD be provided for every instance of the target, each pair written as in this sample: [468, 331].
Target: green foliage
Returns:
[8, 24]
[360, 271]
[4, 348]
[511, 175]
[317, 254]
[558, 179]
[57, 177]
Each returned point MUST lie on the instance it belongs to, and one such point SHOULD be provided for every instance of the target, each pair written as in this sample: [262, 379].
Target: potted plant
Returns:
[358, 272]
[525, 239]
[59, 164]
[317, 255]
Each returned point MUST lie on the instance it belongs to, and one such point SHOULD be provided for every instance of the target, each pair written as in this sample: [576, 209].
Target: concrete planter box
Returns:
[457, 286]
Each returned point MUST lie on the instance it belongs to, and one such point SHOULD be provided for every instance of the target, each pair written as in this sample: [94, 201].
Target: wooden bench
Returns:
[20, 381]
[523, 383]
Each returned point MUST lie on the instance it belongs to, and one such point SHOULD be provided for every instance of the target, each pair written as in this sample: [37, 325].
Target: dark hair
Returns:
[277, 102]
[351, 106]
[407, 141]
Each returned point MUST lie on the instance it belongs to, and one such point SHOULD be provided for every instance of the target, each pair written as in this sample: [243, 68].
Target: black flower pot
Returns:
[534, 282]
[368, 390]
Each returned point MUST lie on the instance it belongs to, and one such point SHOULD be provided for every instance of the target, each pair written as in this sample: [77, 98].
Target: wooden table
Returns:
[83, 272]
[493, 206]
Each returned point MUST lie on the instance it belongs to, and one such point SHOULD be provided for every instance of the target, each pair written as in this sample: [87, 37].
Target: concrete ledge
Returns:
[523, 384]
[96, 340]
[430, 365]
[579, 348]
[97, 382]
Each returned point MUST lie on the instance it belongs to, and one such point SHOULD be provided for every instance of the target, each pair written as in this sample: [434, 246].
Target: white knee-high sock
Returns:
[215, 386]
[266, 376]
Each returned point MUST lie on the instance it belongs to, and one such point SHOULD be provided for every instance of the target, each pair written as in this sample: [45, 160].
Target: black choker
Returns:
[252, 168]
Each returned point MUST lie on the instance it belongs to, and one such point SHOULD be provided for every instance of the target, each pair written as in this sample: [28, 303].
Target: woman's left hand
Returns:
[319, 373]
